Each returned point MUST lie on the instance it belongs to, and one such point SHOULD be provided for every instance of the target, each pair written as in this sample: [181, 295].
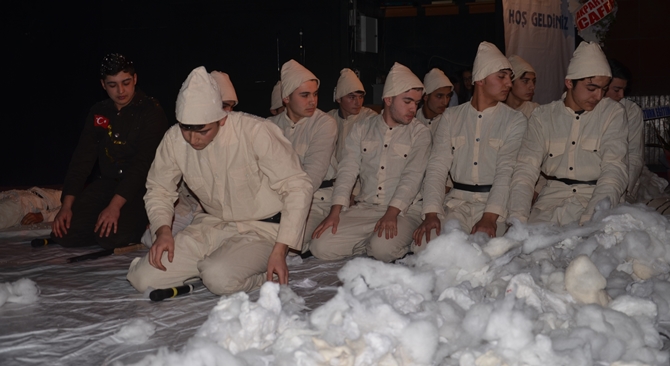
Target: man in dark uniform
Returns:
[122, 134]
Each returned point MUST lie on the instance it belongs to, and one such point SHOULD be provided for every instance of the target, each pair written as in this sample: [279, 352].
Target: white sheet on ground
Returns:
[462, 301]
[83, 307]
[23, 232]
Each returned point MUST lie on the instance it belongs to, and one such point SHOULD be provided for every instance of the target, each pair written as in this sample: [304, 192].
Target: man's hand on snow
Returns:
[429, 223]
[487, 224]
[277, 264]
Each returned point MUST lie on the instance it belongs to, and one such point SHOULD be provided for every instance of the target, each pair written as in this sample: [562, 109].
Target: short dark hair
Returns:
[574, 81]
[114, 63]
[619, 70]
[191, 127]
[522, 75]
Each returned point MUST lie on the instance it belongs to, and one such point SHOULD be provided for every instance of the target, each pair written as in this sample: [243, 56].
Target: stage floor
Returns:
[83, 304]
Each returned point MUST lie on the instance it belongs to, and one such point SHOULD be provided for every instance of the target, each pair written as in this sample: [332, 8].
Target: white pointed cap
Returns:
[434, 80]
[199, 99]
[520, 66]
[489, 60]
[293, 75]
[275, 98]
[225, 86]
[347, 83]
[588, 60]
[399, 80]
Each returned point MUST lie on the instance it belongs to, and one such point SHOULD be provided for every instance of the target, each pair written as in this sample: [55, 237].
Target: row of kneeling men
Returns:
[380, 185]
[353, 182]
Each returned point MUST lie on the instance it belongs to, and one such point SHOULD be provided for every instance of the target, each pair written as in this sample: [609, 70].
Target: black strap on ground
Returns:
[94, 255]
[106, 252]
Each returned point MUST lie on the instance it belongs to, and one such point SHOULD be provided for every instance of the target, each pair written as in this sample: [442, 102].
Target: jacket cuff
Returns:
[496, 209]
[344, 201]
[290, 238]
[157, 224]
[432, 208]
[522, 219]
[399, 204]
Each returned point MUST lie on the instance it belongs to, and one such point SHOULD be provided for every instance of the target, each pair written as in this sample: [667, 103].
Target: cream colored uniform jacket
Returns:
[314, 141]
[475, 148]
[430, 123]
[527, 108]
[391, 162]
[635, 145]
[249, 172]
[344, 126]
[564, 144]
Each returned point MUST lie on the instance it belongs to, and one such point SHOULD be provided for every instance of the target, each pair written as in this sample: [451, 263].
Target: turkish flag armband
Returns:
[100, 121]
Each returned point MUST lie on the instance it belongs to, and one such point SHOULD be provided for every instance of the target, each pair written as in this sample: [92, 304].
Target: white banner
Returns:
[542, 33]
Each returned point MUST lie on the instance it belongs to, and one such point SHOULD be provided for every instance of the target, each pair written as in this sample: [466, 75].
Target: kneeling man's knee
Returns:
[323, 249]
[225, 282]
[387, 250]
[140, 282]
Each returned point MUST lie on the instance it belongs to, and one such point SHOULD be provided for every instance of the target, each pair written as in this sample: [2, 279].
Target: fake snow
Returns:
[542, 295]
[136, 331]
[23, 291]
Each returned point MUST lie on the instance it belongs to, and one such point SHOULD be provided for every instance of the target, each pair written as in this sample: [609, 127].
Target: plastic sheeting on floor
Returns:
[82, 305]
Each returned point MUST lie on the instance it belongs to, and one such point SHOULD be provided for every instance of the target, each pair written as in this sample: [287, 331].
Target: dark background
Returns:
[52, 52]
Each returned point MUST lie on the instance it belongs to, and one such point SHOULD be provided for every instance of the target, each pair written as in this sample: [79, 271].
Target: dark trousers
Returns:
[86, 208]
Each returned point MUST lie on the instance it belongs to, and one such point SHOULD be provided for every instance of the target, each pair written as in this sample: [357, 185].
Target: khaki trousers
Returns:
[560, 203]
[467, 214]
[228, 257]
[321, 202]
[355, 236]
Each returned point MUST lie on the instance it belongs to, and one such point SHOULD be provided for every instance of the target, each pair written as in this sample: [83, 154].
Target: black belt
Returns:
[571, 182]
[273, 219]
[327, 183]
[473, 188]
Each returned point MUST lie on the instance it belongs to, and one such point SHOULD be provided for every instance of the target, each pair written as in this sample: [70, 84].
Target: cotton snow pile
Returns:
[23, 291]
[541, 295]
[136, 331]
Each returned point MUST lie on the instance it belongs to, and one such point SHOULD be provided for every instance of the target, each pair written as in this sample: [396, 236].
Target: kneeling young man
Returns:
[616, 91]
[250, 184]
[390, 153]
[349, 95]
[312, 134]
[523, 86]
[476, 143]
[578, 143]
[121, 134]
[436, 99]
